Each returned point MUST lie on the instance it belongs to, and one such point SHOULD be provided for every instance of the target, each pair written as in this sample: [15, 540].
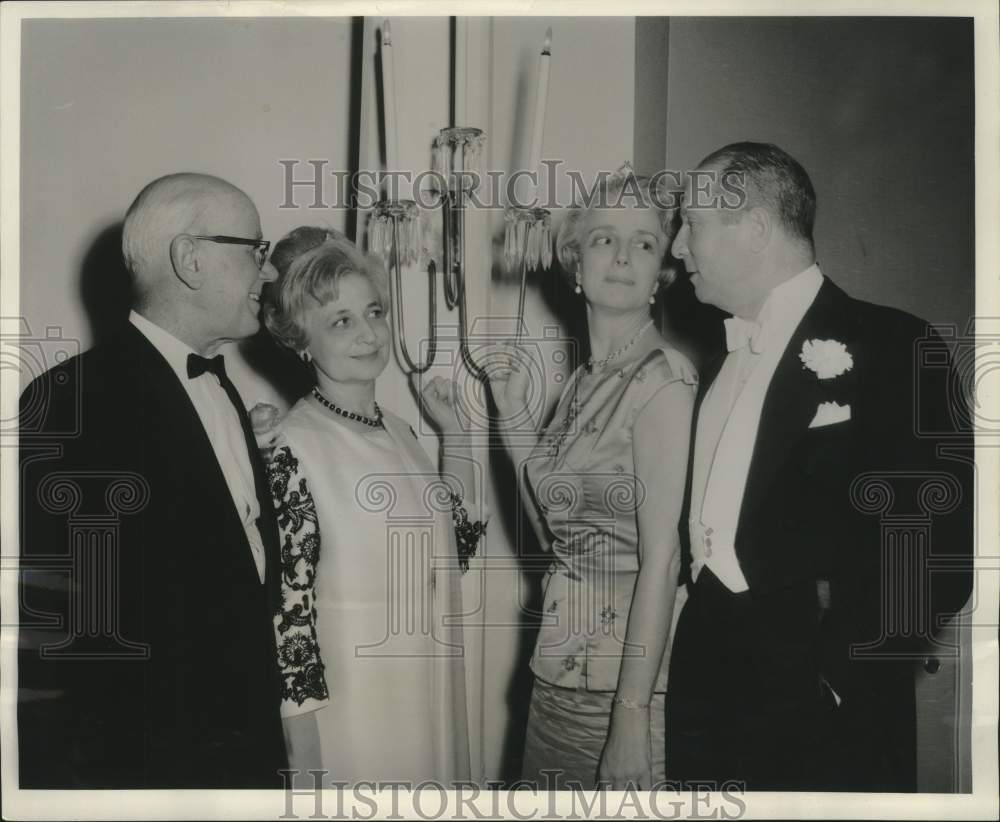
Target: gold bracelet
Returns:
[630, 704]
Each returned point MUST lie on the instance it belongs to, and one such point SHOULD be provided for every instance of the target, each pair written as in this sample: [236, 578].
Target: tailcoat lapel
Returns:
[795, 393]
[705, 381]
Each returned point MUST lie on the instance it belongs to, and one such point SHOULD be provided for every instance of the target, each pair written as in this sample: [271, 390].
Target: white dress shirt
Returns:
[222, 425]
[728, 421]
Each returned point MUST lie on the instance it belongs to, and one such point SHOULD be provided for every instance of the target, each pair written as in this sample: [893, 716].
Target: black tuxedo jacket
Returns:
[868, 511]
[146, 650]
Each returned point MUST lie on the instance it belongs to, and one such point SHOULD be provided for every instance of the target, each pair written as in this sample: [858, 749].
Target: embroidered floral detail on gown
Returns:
[370, 578]
[298, 648]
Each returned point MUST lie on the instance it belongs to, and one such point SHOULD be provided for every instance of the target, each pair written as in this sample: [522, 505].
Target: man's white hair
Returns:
[168, 206]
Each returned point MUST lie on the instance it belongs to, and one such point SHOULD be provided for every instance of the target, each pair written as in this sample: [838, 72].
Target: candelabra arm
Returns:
[457, 150]
[432, 343]
[396, 300]
[460, 277]
[520, 301]
[463, 342]
[452, 268]
[527, 246]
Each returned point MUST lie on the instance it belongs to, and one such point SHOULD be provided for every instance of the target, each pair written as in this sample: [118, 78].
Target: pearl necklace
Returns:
[593, 366]
[373, 422]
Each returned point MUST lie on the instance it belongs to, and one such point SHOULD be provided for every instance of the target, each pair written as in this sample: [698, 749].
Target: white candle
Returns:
[389, 98]
[541, 100]
[461, 69]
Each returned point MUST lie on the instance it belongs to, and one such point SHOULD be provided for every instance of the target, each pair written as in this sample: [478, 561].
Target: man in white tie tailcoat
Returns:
[792, 666]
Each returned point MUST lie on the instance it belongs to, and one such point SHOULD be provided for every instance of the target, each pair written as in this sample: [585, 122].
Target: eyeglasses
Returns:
[260, 247]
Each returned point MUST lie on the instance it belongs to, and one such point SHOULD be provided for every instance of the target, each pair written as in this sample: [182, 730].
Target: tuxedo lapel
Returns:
[170, 417]
[794, 393]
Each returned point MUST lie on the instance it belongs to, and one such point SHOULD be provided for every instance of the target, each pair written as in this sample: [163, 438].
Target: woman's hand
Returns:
[303, 747]
[439, 399]
[265, 420]
[626, 759]
[510, 382]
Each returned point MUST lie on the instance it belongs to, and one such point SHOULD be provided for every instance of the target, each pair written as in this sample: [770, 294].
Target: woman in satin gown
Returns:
[603, 487]
[372, 538]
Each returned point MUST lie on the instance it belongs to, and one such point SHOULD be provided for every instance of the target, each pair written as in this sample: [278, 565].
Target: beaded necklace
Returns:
[556, 440]
[593, 366]
[373, 422]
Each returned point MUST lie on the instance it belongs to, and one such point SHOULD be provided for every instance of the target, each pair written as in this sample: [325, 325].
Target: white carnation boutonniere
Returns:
[827, 358]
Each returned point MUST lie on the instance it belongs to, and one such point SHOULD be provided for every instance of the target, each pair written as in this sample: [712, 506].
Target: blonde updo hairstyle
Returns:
[621, 189]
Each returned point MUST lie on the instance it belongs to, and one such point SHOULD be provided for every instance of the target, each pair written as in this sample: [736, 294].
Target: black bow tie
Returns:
[201, 365]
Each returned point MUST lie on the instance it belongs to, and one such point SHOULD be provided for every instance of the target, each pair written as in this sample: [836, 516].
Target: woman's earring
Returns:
[578, 289]
[305, 356]
[652, 299]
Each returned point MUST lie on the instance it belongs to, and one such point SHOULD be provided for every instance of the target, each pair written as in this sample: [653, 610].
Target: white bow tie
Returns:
[740, 332]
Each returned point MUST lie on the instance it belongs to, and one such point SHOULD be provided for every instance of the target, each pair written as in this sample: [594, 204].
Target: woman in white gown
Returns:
[373, 538]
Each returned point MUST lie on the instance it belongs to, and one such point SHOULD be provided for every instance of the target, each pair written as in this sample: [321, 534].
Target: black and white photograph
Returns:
[536, 411]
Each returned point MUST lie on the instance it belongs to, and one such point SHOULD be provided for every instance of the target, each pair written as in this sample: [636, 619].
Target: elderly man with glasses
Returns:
[175, 685]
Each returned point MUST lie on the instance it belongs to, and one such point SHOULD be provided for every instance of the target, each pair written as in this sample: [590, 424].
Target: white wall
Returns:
[108, 105]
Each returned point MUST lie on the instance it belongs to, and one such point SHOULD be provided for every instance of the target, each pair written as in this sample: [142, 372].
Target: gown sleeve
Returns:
[300, 664]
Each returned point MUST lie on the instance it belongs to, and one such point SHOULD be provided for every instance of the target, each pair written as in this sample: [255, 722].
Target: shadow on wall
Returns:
[105, 284]
[533, 561]
[353, 121]
[283, 371]
[691, 326]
